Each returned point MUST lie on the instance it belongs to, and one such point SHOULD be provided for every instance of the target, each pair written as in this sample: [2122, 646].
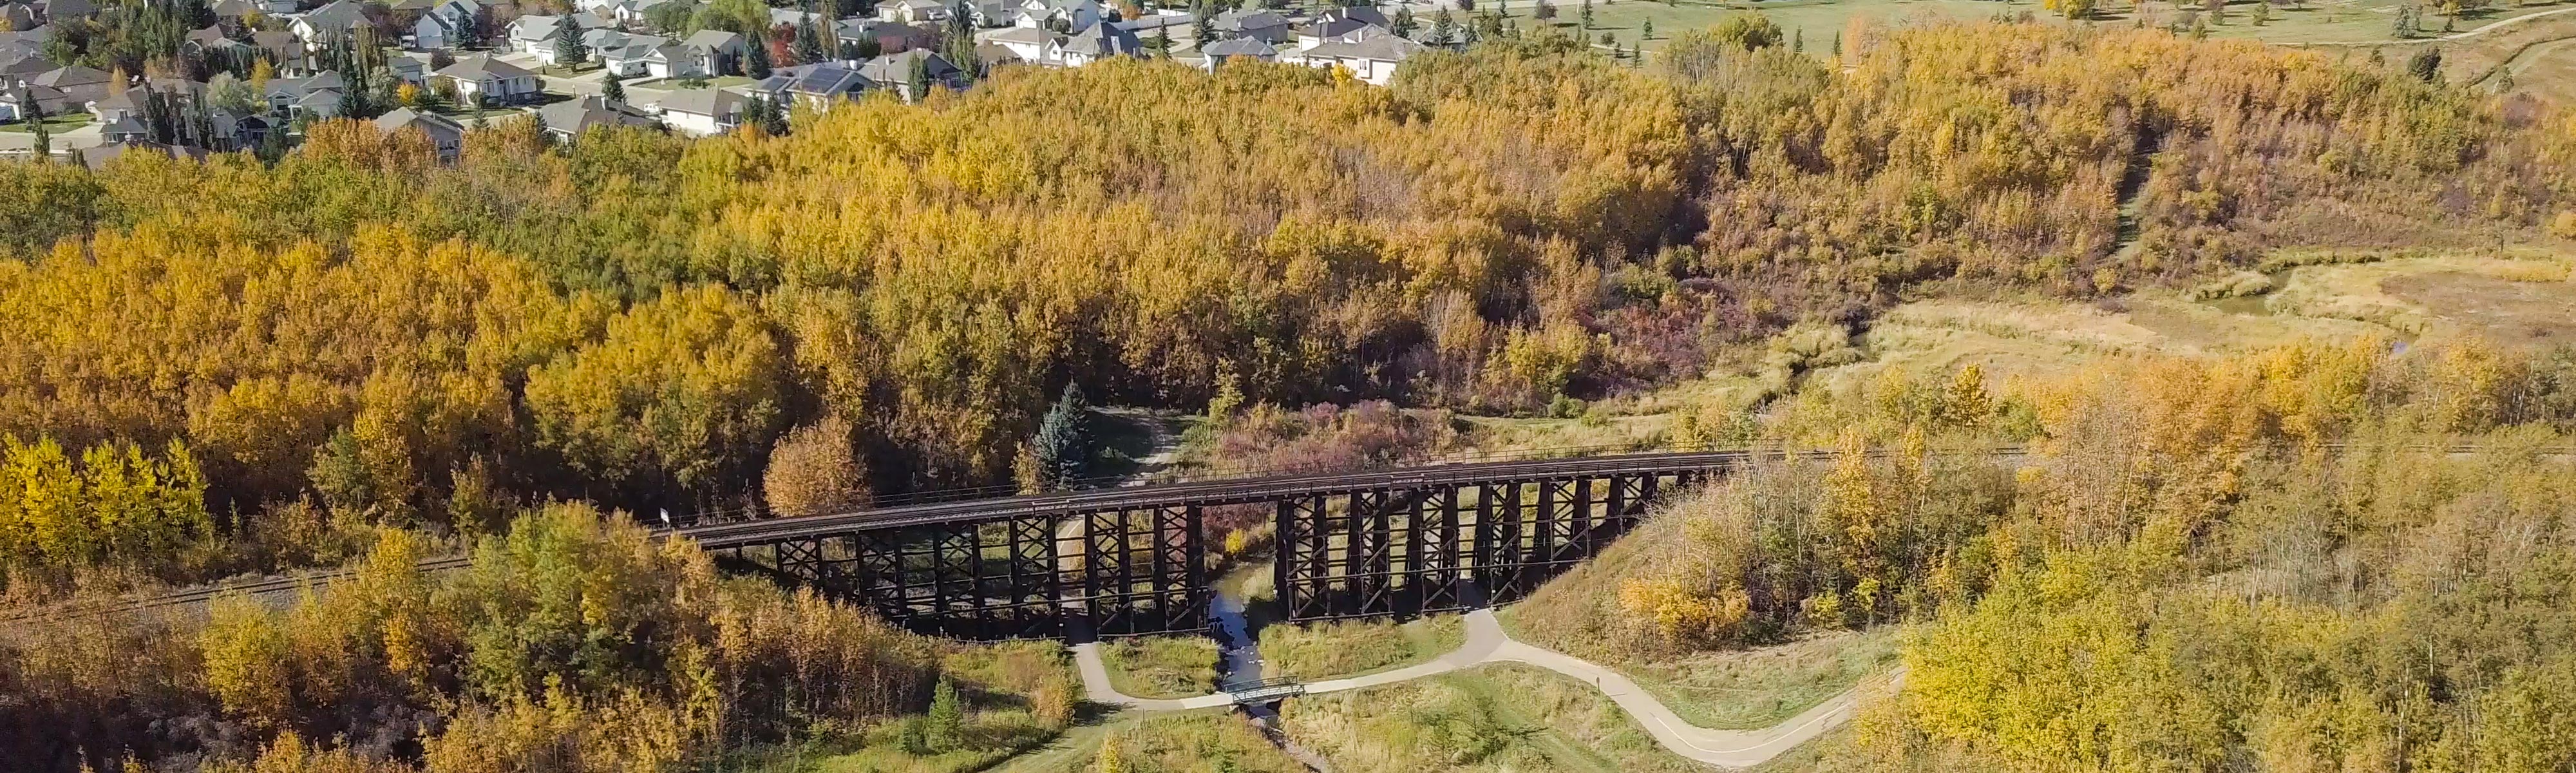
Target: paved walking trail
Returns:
[1487, 643]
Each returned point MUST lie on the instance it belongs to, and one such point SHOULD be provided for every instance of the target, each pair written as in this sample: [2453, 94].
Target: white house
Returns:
[495, 81]
[1101, 41]
[721, 52]
[676, 60]
[339, 19]
[1028, 44]
[623, 53]
[701, 112]
[1072, 14]
[1371, 54]
[536, 34]
[912, 11]
[444, 24]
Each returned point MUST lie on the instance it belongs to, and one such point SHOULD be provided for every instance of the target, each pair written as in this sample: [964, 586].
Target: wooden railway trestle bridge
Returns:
[1130, 561]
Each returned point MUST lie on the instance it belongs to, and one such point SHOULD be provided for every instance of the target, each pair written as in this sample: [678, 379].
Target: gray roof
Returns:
[1240, 47]
[1238, 20]
[303, 87]
[701, 102]
[897, 67]
[712, 39]
[1103, 40]
[1016, 34]
[481, 67]
[74, 75]
[1151, 22]
[1378, 46]
[578, 115]
[339, 16]
[816, 79]
[404, 117]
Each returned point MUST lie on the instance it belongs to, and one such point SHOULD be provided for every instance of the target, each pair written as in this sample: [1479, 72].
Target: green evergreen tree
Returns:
[1403, 23]
[43, 145]
[755, 60]
[1064, 440]
[947, 717]
[613, 88]
[1444, 30]
[569, 50]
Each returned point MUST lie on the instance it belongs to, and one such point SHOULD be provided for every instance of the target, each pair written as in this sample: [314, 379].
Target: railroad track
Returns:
[1254, 488]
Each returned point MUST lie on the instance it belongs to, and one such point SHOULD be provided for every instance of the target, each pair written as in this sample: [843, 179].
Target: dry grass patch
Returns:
[1343, 648]
[1190, 742]
[1494, 718]
[1161, 666]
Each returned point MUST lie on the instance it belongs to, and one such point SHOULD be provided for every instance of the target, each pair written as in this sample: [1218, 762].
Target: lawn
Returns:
[1331, 650]
[56, 123]
[1487, 719]
[1161, 666]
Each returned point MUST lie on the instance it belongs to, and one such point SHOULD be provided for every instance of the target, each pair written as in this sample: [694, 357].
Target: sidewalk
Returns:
[1487, 643]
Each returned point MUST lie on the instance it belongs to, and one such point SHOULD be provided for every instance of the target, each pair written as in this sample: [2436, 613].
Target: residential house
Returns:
[1214, 55]
[79, 85]
[413, 67]
[339, 19]
[318, 96]
[1024, 44]
[1179, 25]
[19, 98]
[1101, 41]
[21, 16]
[720, 51]
[58, 11]
[890, 37]
[445, 135]
[676, 60]
[233, 11]
[536, 34]
[98, 157]
[817, 85]
[1265, 26]
[629, 12]
[440, 24]
[126, 128]
[622, 53]
[1340, 25]
[284, 51]
[491, 80]
[912, 11]
[567, 120]
[1371, 53]
[701, 112]
[989, 13]
[897, 70]
[1056, 14]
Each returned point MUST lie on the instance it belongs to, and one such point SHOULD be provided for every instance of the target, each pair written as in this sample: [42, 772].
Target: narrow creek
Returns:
[1239, 618]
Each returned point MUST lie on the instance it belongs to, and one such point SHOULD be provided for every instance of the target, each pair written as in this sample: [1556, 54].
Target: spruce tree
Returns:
[1064, 439]
[612, 88]
[569, 50]
[44, 140]
[755, 61]
[947, 717]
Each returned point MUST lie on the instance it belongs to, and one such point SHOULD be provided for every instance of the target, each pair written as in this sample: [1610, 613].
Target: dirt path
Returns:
[1487, 643]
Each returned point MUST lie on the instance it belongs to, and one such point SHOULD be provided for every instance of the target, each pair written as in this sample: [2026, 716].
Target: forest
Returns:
[359, 354]
[2314, 557]
[357, 336]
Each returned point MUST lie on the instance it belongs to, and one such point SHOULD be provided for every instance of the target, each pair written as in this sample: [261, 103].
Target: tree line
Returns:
[356, 334]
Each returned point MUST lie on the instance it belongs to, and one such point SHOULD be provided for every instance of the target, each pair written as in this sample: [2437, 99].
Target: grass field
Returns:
[1354, 647]
[1816, 22]
[56, 124]
[1746, 689]
[1162, 666]
[1187, 742]
[1488, 719]
[999, 683]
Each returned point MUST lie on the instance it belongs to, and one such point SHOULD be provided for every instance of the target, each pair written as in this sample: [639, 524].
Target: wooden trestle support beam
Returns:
[1389, 551]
